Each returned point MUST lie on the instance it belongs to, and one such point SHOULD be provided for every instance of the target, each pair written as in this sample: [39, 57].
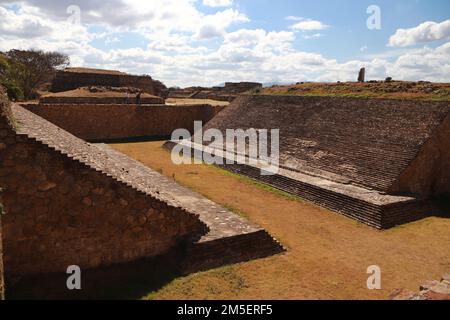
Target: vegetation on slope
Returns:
[24, 72]
[421, 90]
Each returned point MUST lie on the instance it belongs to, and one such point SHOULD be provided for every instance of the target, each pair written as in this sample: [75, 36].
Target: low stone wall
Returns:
[63, 211]
[106, 122]
[2, 282]
[66, 80]
[100, 100]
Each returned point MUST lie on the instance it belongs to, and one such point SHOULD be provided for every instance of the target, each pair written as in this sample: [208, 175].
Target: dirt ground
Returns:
[180, 102]
[328, 254]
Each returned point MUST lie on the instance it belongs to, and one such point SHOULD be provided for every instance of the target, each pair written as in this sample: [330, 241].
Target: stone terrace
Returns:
[364, 141]
[349, 154]
[229, 239]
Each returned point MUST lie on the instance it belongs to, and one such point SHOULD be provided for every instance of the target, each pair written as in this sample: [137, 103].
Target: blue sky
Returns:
[205, 42]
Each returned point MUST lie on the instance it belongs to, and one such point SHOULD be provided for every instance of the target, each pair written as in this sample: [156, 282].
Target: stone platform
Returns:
[228, 238]
[376, 161]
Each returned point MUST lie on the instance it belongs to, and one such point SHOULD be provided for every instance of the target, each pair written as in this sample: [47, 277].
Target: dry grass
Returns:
[181, 102]
[327, 256]
[402, 90]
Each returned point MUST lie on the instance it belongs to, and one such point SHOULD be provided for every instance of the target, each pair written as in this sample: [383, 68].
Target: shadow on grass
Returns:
[444, 204]
[129, 281]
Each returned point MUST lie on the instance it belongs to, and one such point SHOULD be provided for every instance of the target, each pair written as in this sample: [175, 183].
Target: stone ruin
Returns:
[430, 290]
[362, 75]
[102, 95]
[377, 161]
[229, 92]
[102, 111]
[74, 78]
[69, 202]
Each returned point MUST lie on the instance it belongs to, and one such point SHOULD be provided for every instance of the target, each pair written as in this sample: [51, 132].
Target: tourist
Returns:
[138, 98]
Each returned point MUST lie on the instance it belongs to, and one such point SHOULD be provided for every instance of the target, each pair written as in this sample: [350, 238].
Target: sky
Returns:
[209, 42]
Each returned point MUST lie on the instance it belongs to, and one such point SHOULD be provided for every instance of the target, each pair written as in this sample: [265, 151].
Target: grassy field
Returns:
[383, 90]
[327, 255]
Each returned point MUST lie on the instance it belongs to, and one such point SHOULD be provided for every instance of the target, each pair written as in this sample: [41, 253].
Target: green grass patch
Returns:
[259, 185]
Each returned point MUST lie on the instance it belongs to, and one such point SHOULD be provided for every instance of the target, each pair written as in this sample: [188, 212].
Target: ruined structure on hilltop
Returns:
[229, 92]
[377, 161]
[74, 78]
[92, 206]
[102, 95]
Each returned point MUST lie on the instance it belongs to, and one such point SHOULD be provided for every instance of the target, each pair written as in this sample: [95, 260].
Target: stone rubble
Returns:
[430, 290]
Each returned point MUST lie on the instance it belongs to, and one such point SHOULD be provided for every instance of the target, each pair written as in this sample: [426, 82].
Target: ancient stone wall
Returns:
[64, 209]
[100, 100]
[103, 122]
[65, 81]
[429, 173]
[2, 283]
[240, 87]
[366, 142]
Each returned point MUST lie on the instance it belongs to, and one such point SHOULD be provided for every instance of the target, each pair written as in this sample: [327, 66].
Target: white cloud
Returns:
[215, 25]
[313, 36]
[217, 3]
[294, 18]
[425, 32]
[177, 51]
[309, 25]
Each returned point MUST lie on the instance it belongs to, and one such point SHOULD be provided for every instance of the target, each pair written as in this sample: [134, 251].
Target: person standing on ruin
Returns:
[127, 97]
[138, 98]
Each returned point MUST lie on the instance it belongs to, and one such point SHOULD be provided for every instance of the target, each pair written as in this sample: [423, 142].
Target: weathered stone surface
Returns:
[118, 121]
[355, 156]
[362, 75]
[117, 210]
[403, 294]
[430, 290]
[46, 186]
[2, 284]
[73, 78]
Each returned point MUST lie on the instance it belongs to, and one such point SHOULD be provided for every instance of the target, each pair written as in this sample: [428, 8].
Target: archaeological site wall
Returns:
[103, 122]
[67, 203]
[378, 161]
[2, 282]
[68, 80]
[369, 142]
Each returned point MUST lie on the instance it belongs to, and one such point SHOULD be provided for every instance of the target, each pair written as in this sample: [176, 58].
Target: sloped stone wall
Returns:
[429, 173]
[2, 282]
[103, 122]
[62, 212]
[368, 142]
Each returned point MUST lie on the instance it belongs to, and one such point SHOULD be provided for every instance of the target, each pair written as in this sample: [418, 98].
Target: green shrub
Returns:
[13, 90]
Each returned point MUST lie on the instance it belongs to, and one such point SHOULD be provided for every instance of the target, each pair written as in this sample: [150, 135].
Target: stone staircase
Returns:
[368, 141]
[228, 239]
[344, 154]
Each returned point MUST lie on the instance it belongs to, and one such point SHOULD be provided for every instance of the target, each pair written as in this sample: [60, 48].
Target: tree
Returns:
[8, 79]
[30, 69]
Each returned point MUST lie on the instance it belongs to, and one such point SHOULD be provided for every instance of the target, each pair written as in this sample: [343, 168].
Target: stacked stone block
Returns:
[118, 121]
[69, 80]
[66, 204]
